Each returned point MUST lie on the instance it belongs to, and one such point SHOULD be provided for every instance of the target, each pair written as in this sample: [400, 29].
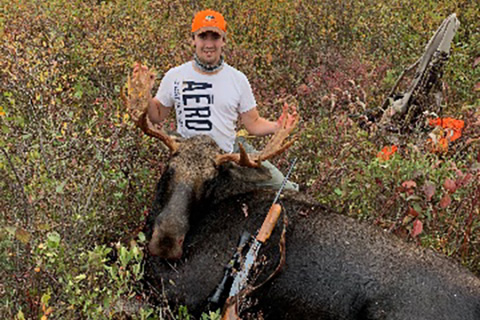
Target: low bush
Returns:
[77, 179]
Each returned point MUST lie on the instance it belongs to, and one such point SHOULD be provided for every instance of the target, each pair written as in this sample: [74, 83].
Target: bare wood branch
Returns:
[400, 78]
[19, 187]
[100, 168]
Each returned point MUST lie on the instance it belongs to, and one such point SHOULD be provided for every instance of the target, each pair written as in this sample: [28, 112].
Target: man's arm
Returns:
[260, 126]
[256, 125]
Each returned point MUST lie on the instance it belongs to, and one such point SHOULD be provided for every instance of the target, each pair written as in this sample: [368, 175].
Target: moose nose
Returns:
[179, 252]
[152, 249]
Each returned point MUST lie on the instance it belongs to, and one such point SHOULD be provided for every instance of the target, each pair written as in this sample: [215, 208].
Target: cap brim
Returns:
[213, 29]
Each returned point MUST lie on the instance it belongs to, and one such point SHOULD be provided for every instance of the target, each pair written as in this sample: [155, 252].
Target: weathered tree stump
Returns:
[405, 111]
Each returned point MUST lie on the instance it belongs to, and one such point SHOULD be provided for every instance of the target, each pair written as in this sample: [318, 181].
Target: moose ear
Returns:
[249, 174]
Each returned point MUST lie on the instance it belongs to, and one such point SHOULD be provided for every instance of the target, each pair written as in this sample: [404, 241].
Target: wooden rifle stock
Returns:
[269, 223]
[240, 281]
[230, 312]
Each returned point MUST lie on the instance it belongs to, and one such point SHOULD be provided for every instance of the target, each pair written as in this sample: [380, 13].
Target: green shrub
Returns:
[76, 177]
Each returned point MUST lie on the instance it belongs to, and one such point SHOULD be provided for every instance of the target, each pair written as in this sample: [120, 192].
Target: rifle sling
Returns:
[236, 301]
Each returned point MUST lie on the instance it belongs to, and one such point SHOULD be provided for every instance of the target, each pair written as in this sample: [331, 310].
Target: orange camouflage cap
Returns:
[209, 20]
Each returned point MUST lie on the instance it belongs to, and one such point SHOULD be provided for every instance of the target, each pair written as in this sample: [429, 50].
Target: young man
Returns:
[209, 96]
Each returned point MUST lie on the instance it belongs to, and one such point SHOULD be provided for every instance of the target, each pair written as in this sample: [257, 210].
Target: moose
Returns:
[334, 267]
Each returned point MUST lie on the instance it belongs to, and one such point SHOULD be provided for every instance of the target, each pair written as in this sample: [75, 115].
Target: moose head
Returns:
[193, 163]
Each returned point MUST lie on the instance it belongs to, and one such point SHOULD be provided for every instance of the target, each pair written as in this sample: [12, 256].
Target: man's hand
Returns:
[260, 126]
[287, 119]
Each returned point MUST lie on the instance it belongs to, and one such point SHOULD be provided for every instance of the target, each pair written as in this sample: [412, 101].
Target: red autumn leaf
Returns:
[412, 212]
[459, 173]
[387, 152]
[303, 89]
[417, 228]
[477, 87]
[452, 123]
[450, 185]
[401, 232]
[435, 122]
[465, 180]
[429, 190]
[476, 62]
[409, 184]
[453, 134]
[445, 202]
[453, 131]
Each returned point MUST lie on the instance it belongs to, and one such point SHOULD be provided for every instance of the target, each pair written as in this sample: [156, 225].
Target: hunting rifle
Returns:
[241, 278]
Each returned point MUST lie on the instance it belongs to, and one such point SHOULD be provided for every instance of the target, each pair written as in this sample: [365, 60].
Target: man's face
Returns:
[208, 46]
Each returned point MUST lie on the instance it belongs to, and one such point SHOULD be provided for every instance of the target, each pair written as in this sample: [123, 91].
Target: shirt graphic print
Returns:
[194, 105]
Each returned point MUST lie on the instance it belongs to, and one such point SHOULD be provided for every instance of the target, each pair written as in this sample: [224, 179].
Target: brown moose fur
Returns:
[336, 267]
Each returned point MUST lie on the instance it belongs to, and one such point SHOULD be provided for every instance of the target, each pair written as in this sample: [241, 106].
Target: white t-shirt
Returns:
[207, 104]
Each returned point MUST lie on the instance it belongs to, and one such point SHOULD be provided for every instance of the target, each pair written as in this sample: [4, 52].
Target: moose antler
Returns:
[274, 147]
[139, 87]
